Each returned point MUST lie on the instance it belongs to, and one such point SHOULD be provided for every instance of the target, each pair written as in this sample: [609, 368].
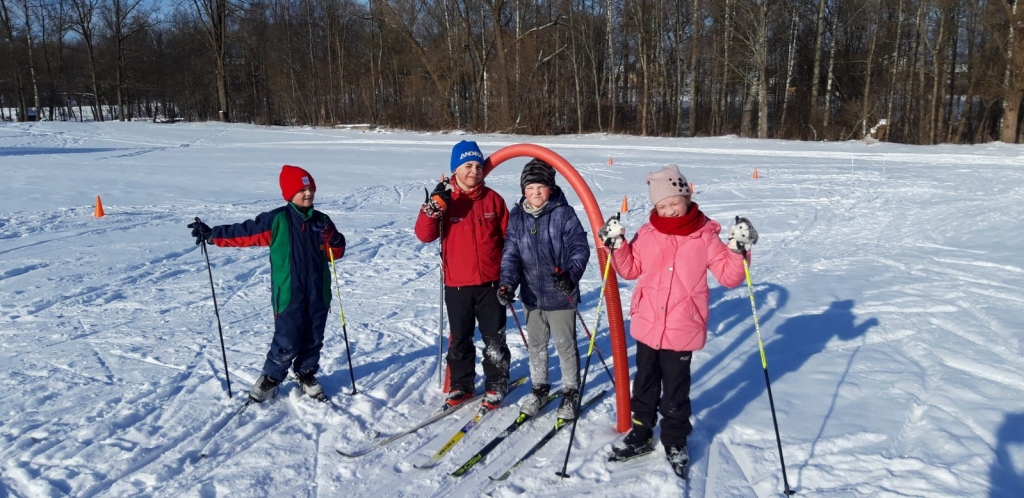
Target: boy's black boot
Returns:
[263, 388]
[311, 387]
[678, 458]
[639, 441]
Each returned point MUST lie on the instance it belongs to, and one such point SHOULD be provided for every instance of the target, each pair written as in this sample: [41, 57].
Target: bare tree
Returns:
[7, 24]
[1013, 80]
[214, 17]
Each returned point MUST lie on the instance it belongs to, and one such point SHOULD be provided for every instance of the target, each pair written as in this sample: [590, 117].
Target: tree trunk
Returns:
[1012, 89]
[790, 61]
[831, 73]
[7, 24]
[865, 109]
[895, 71]
[31, 59]
[762, 73]
[819, 39]
[610, 29]
[694, 38]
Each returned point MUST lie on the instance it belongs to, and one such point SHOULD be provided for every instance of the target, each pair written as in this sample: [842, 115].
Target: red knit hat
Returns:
[293, 179]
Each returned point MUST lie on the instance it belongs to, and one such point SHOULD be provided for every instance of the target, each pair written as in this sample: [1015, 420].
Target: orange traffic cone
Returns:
[99, 208]
[755, 174]
[610, 161]
[691, 188]
[625, 205]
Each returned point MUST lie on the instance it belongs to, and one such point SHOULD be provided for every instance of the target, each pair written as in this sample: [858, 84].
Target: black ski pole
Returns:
[216, 312]
[344, 329]
[586, 369]
[440, 300]
[589, 336]
[764, 366]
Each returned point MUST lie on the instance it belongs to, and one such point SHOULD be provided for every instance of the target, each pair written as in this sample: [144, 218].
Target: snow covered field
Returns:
[888, 280]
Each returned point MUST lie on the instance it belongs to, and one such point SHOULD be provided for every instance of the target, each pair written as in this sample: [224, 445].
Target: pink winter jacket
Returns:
[669, 309]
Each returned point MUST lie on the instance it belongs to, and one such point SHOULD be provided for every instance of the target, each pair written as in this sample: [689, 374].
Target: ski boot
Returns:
[679, 459]
[456, 397]
[639, 442]
[533, 402]
[495, 393]
[570, 401]
[312, 388]
[263, 389]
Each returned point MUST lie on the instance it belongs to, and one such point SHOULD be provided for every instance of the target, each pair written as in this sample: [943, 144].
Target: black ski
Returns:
[438, 415]
[480, 414]
[559, 424]
[489, 447]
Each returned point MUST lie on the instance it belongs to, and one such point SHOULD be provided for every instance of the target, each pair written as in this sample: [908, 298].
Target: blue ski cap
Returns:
[465, 151]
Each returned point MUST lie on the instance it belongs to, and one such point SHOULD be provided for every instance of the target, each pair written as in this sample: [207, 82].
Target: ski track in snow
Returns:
[886, 283]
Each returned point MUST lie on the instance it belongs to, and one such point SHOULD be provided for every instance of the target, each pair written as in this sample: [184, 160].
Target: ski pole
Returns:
[344, 329]
[589, 336]
[216, 312]
[586, 369]
[440, 305]
[764, 366]
[515, 316]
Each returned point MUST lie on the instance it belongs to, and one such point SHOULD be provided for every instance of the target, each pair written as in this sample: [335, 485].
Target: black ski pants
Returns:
[467, 307]
[662, 383]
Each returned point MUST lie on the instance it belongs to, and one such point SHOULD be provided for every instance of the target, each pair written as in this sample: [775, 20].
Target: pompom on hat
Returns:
[293, 179]
[537, 171]
[667, 182]
[464, 152]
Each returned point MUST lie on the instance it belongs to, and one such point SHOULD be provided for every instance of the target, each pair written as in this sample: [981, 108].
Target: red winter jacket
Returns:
[472, 235]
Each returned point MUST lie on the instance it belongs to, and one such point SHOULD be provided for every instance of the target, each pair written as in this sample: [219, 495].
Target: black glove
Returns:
[442, 194]
[201, 231]
[438, 200]
[563, 282]
[505, 296]
[329, 233]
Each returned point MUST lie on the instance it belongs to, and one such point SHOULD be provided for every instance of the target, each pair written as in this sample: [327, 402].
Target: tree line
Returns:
[911, 71]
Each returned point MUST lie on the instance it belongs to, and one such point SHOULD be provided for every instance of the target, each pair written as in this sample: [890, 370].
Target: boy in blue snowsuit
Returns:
[298, 237]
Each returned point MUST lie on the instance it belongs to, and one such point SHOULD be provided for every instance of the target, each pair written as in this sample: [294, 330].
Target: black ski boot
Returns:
[312, 388]
[262, 389]
[679, 459]
[639, 442]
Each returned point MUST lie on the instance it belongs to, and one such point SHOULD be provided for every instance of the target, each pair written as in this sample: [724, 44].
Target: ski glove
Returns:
[329, 234]
[505, 295]
[563, 282]
[741, 236]
[438, 200]
[612, 234]
[201, 231]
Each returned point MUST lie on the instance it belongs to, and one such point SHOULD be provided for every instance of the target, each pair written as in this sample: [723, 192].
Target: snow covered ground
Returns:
[888, 281]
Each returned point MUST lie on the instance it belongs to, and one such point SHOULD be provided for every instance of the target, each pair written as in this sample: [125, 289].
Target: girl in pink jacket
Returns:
[670, 257]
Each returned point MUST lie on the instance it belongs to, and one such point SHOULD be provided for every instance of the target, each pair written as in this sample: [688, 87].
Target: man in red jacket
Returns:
[470, 219]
